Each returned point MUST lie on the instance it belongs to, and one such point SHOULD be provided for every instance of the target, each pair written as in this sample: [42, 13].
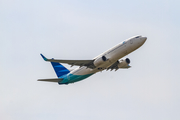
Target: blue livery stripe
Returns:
[63, 70]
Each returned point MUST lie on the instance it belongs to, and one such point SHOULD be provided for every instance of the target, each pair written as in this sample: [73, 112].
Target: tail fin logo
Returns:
[59, 69]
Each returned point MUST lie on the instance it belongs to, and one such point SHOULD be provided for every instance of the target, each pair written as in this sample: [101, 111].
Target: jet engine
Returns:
[99, 61]
[124, 63]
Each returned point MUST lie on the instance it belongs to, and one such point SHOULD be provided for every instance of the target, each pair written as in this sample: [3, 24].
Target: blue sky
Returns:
[81, 30]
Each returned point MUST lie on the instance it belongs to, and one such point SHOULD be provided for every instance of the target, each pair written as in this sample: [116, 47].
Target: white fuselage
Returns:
[113, 55]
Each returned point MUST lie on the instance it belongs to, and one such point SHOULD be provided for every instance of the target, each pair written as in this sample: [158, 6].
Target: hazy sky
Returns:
[79, 29]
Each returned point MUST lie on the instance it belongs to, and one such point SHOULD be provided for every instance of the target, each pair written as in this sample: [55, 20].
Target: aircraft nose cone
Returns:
[143, 39]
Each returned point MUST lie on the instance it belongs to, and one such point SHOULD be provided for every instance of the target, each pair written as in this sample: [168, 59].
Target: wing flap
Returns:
[115, 66]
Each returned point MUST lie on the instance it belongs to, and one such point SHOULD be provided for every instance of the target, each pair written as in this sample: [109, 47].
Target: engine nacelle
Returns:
[124, 63]
[99, 61]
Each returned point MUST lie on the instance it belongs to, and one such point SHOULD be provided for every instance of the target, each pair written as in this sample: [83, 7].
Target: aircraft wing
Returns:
[115, 66]
[87, 63]
[51, 80]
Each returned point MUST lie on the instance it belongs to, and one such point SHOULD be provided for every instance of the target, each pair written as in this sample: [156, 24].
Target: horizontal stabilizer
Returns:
[51, 80]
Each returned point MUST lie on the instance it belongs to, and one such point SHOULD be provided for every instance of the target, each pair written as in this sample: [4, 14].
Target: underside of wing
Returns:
[123, 64]
[51, 80]
[87, 63]
[114, 66]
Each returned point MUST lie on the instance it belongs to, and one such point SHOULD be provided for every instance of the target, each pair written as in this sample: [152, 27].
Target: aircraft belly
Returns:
[76, 78]
[70, 78]
[83, 71]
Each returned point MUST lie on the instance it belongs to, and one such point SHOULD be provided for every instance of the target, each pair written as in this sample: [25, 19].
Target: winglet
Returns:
[44, 57]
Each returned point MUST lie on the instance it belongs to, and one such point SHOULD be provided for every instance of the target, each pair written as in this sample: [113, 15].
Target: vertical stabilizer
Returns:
[59, 69]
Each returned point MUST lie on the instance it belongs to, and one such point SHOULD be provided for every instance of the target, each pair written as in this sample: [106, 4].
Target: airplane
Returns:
[108, 60]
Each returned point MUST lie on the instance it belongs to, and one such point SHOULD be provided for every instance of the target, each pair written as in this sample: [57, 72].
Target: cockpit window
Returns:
[137, 36]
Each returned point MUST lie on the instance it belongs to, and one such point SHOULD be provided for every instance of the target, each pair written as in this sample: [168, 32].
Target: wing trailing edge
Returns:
[87, 63]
